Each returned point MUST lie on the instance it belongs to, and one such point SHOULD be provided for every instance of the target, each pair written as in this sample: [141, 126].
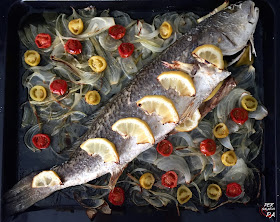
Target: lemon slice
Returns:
[179, 81]
[134, 127]
[189, 124]
[160, 105]
[101, 147]
[46, 179]
[214, 91]
[210, 53]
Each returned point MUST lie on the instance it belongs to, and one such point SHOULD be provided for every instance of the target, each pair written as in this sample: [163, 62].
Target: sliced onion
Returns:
[148, 156]
[202, 131]
[137, 197]
[232, 126]
[28, 117]
[227, 104]
[108, 43]
[207, 172]
[38, 78]
[187, 138]
[88, 12]
[244, 76]
[154, 47]
[28, 138]
[237, 173]
[96, 26]
[113, 71]
[226, 142]
[176, 163]
[121, 18]
[185, 22]
[198, 190]
[259, 113]
[41, 68]
[128, 66]
[164, 195]
[218, 166]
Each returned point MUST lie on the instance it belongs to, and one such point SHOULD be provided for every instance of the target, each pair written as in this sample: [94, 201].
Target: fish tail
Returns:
[192, 107]
[22, 196]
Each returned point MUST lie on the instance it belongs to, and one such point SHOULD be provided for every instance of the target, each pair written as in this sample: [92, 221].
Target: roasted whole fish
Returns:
[230, 30]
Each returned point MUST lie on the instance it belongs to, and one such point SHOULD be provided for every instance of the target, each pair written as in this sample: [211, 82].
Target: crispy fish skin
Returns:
[230, 30]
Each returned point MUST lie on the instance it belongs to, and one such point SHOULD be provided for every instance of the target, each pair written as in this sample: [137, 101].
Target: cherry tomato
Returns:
[43, 40]
[126, 49]
[59, 86]
[233, 190]
[208, 147]
[239, 115]
[117, 31]
[73, 47]
[164, 148]
[116, 196]
[41, 141]
[169, 179]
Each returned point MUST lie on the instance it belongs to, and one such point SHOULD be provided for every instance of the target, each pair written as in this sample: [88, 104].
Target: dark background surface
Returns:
[11, 96]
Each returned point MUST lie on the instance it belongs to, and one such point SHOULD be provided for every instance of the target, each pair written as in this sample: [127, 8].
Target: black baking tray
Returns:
[12, 95]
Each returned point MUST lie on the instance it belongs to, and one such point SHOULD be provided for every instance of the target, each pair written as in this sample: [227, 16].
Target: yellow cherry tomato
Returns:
[38, 93]
[220, 131]
[184, 194]
[165, 30]
[214, 191]
[249, 103]
[92, 97]
[97, 63]
[147, 181]
[32, 58]
[76, 26]
[229, 158]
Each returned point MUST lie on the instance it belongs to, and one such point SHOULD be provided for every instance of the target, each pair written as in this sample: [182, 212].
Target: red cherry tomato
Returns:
[43, 40]
[208, 147]
[117, 31]
[126, 49]
[233, 190]
[41, 141]
[239, 115]
[164, 148]
[73, 47]
[169, 179]
[59, 86]
[116, 196]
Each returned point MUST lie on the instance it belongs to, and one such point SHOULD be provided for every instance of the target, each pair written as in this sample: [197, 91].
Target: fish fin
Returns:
[252, 48]
[22, 196]
[215, 11]
[185, 67]
[115, 176]
[112, 182]
[168, 65]
[194, 104]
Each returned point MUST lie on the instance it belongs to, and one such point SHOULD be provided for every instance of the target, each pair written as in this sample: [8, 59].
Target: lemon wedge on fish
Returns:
[189, 124]
[102, 147]
[46, 178]
[181, 82]
[213, 93]
[160, 105]
[210, 53]
[134, 127]
[245, 58]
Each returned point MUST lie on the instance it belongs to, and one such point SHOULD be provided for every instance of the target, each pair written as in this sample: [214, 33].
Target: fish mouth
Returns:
[253, 14]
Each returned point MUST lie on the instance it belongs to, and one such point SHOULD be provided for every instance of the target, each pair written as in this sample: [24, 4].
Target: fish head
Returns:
[232, 28]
